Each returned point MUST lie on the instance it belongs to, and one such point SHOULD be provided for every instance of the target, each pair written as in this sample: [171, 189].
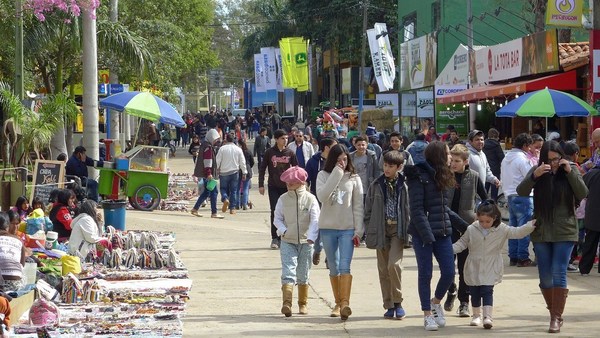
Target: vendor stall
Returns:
[140, 174]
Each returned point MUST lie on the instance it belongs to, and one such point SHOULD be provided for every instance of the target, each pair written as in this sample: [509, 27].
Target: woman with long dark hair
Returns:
[431, 227]
[341, 222]
[60, 214]
[557, 189]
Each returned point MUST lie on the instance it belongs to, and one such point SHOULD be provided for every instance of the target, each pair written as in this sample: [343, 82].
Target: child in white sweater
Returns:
[296, 219]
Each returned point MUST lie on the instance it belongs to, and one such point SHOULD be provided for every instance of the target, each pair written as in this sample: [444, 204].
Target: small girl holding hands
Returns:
[296, 218]
[484, 267]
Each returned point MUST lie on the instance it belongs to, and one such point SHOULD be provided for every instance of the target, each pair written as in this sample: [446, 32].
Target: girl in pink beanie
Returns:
[296, 219]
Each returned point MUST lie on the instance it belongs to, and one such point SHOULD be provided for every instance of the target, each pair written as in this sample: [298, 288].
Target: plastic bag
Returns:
[70, 264]
[44, 313]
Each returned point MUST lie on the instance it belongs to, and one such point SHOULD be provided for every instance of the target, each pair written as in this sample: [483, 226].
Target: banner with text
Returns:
[279, 70]
[418, 62]
[295, 63]
[387, 101]
[425, 103]
[455, 115]
[259, 74]
[381, 56]
[532, 54]
[566, 13]
[270, 69]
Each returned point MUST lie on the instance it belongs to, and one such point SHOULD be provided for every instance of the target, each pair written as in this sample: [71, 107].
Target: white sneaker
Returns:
[438, 314]
[488, 323]
[475, 321]
[430, 324]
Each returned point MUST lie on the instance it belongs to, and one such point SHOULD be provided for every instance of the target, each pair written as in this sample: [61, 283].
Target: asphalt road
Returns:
[236, 288]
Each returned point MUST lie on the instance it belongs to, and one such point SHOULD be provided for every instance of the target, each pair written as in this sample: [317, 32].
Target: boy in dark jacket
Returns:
[494, 153]
[386, 220]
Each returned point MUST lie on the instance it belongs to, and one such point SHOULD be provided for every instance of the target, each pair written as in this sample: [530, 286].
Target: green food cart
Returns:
[140, 174]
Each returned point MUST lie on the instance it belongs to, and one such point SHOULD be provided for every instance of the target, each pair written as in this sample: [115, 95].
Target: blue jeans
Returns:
[230, 189]
[244, 191]
[553, 259]
[479, 292]
[206, 194]
[442, 250]
[339, 249]
[92, 188]
[296, 261]
[520, 210]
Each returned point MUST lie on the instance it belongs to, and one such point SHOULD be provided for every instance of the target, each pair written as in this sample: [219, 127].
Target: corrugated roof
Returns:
[573, 54]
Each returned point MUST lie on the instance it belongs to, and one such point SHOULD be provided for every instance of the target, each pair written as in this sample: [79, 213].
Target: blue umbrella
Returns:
[144, 105]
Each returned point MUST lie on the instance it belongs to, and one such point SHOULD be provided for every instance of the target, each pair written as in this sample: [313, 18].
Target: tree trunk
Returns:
[115, 117]
[314, 90]
[90, 87]
[331, 77]
[58, 144]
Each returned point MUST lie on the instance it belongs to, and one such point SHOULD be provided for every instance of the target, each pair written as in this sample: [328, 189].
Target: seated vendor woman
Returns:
[77, 166]
[87, 230]
[12, 257]
[60, 214]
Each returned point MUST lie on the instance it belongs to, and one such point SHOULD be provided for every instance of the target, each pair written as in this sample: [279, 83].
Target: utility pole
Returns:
[472, 108]
[19, 50]
[361, 75]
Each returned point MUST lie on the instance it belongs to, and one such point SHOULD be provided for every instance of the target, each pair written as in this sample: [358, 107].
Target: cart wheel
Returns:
[146, 198]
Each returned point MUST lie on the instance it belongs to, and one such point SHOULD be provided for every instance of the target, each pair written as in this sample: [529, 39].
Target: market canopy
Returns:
[144, 105]
[561, 81]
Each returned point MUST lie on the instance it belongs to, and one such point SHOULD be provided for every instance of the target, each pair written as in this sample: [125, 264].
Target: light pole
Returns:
[19, 49]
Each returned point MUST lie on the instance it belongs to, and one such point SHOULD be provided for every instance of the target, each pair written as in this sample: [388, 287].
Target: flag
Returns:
[295, 63]
[279, 70]
[259, 74]
[381, 56]
[270, 69]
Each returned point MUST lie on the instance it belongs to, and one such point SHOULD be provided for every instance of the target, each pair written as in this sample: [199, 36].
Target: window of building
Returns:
[436, 15]
[410, 26]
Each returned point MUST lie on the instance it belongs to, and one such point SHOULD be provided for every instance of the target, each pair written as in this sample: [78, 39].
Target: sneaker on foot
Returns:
[450, 298]
[195, 213]
[400, 313]
[217, 216]
[274, 244]
[572, 268]
[525, 263]
[389, 314]
[463, 310]
[475, 321]
[232, 212]
[430, 324]
[438, 314]
[245, 207]
[316, 259]
[513, 262]
[488, 323]
[225, 206]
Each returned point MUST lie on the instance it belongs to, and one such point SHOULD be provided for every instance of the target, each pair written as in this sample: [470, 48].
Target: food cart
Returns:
[140, 174]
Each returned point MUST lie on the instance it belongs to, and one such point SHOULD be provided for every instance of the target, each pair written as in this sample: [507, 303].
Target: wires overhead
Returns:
[500, 8]
[482, 17]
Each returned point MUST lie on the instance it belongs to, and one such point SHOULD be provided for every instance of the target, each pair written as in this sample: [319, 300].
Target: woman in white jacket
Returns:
[339, 189]
[86, 230]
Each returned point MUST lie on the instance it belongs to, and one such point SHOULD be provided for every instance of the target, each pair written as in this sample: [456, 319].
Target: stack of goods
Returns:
[140, 287]
[181, 190]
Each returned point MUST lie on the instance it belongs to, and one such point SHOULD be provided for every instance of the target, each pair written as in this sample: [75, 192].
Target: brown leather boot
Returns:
[345, 289]
[335, 287]
[287, 291]
[559, 299]
[302, 298]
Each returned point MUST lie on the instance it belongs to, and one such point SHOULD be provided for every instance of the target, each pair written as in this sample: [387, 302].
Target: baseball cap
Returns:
[475, 132]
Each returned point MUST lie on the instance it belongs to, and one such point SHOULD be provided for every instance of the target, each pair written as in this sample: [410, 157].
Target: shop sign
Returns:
[418, 62]
[425, 103]
[566, 13]
[409, 104]
[456, 71]
[387, 101]
[456, 115]
[533, 54]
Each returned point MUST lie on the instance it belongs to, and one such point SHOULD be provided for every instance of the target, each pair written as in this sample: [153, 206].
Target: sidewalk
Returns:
[237, 285]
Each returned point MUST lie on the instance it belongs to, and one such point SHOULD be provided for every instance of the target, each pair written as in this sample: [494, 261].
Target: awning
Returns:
[561, 81]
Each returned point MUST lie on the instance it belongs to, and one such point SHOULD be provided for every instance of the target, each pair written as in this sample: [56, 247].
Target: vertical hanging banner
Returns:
[270, 69]
[295, 63]
[381, 56]
[566, 13]
[279, 76]
[259, 74]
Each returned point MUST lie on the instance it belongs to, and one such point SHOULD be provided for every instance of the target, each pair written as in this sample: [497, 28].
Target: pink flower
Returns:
[72, 7]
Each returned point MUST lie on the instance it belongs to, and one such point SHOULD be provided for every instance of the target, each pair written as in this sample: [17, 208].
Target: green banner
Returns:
[458, 116]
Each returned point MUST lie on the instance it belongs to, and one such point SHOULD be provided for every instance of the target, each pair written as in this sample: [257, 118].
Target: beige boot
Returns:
[559, 299]
[488, 322]
[287, 290]
[302, 298]
[476, 319]
[335, 287]
[345, 289]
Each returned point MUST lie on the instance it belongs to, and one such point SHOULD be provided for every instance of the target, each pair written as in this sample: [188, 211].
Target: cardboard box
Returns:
[20, 305]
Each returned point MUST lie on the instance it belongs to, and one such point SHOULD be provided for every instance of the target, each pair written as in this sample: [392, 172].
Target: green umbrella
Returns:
[547, 103]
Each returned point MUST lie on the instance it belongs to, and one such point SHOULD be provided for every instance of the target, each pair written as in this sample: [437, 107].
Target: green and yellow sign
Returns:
[565, 13]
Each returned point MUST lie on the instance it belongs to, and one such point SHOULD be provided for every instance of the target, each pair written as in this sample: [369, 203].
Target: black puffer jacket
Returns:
[430, 215]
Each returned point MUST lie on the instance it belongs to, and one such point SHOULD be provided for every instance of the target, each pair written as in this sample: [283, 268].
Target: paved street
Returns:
[237, 285]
